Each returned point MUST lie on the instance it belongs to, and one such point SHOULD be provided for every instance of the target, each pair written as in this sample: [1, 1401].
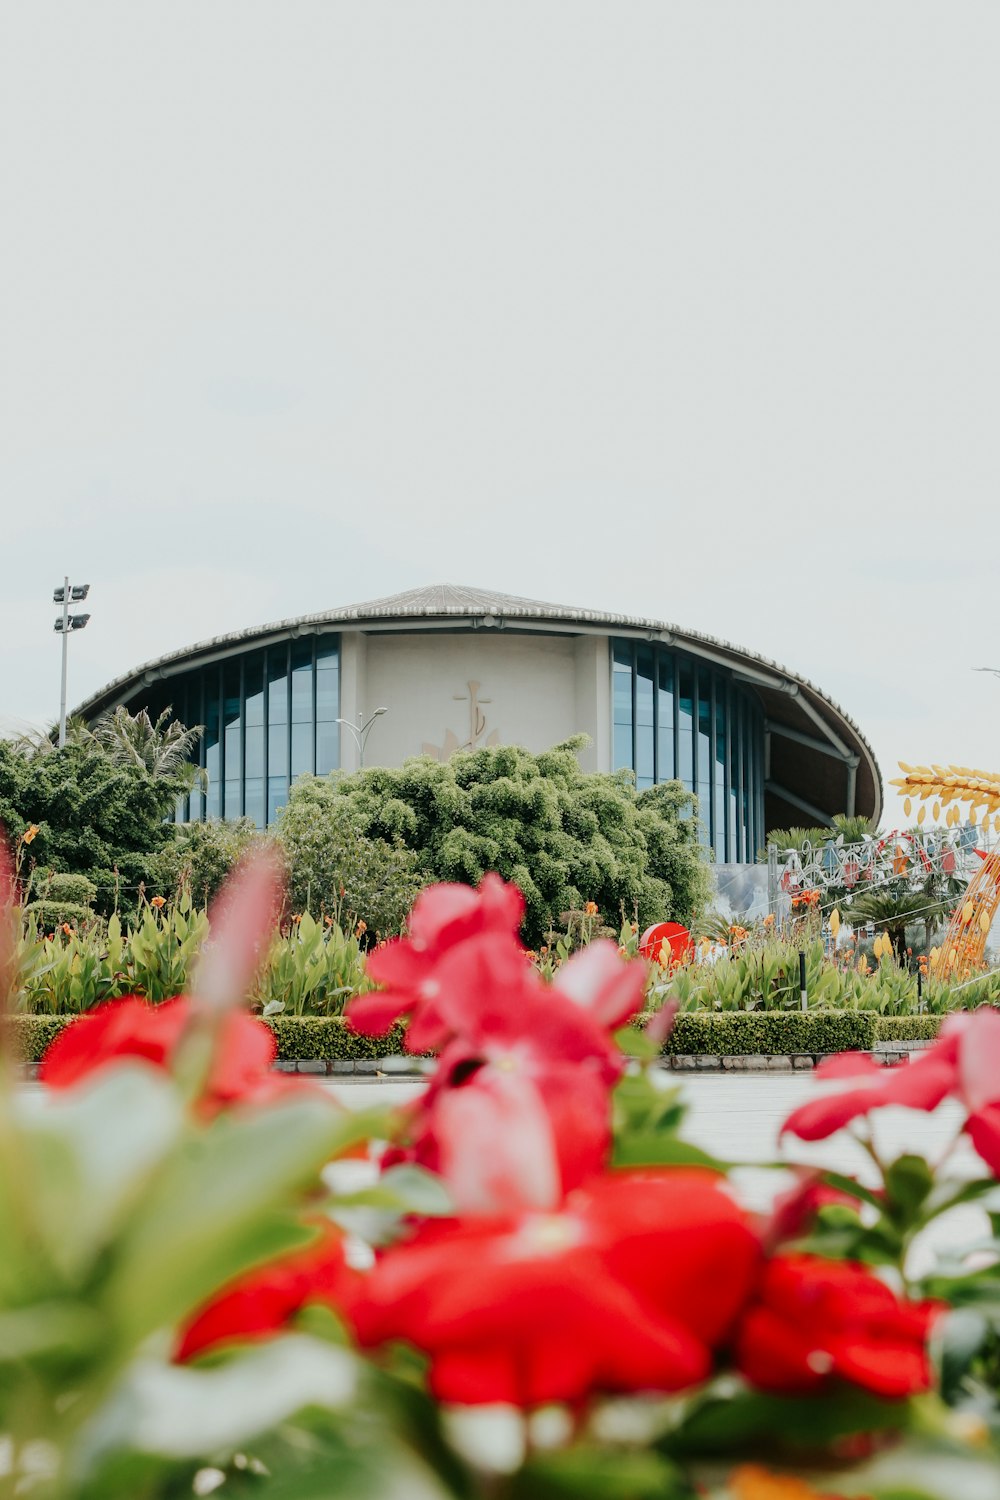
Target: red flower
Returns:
[629, 1286]
[265, 1300]
[444, 919]
[794, 1212]
[519, 1109]
[132, 1028]
[965, 1062]
[919, 1085]
[596, 979]
[814, 1321]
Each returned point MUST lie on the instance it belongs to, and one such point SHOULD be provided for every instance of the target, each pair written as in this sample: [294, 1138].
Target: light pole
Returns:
[361, 732]
[64, 625]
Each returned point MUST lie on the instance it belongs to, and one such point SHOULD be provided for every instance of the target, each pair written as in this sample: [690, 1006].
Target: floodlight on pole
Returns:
[64, 625]
[361, 732]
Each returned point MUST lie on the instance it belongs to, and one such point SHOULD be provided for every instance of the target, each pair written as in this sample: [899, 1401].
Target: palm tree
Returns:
[892, 913]
[162, 749]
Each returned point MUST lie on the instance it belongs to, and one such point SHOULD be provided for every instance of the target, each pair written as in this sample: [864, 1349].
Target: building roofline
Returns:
[445, 604]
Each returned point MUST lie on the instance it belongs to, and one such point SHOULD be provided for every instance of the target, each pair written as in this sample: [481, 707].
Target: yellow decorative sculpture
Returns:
[963, 949]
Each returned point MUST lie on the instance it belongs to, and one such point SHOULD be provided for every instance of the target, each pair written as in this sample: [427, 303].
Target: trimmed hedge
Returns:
[742, 1033]
[738, 1033]
[324, 1038]
[735, 1033]
[329, 1039]
[908, 1028]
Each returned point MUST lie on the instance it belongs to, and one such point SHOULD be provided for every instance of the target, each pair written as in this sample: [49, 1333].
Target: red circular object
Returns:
[676, 937]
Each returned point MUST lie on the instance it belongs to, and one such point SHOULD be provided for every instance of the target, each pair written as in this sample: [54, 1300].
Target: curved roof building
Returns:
[455, 668]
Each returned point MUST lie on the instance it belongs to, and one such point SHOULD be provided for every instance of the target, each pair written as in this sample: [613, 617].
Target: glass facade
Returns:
[677, 717]
[269, 715]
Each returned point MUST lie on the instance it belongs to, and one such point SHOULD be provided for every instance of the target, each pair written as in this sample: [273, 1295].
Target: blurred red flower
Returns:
[629, 1286]
[132, 1028]
[444, 918]
[266, 1299]
[815, 1320]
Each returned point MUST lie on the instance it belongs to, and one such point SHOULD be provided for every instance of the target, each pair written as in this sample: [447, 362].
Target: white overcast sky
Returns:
[689, 310]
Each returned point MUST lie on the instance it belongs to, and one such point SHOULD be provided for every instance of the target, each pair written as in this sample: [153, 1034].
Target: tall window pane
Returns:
[664, 716]
[721, 748]
[645, 766]
[232, 801]
[303, 737]
[327, 704]
[704, 751]
[622, 705]
[277, 729]
[213, 748]
[685, 725]
[253, 739]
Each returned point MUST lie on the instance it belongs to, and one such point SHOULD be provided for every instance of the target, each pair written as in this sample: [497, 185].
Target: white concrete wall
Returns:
[533, 690]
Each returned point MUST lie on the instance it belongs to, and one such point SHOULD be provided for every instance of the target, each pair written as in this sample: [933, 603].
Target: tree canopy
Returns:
[93, 816]
[563, 835]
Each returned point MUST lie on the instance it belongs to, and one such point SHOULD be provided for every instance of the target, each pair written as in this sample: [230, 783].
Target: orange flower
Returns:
[157, 901]
[67, 929]
[769, 919]
[361, 928]
[296, 916]
[590, 909]
[753, 1483]
[29, 834]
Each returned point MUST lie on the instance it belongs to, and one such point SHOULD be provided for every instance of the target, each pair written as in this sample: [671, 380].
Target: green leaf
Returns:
[661, 1148]
[215, 1208]
[738, 1421]
[180, 1412]
[86, 1170]
[584, 1472]
[909, 1181]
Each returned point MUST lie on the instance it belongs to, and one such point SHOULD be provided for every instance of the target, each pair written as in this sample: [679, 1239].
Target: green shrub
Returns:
[338, 868]
[51, 915]
[751, 1033]
[94, 817]
[562, 835]
[329, 1038]
[907, 1028]
[76, 888]
[199, 856]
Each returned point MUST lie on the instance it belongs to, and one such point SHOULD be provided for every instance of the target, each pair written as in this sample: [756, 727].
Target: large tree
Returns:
[563, 835]
[94, 815]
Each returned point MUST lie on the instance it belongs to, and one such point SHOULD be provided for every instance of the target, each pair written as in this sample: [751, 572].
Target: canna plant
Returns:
[313, 970]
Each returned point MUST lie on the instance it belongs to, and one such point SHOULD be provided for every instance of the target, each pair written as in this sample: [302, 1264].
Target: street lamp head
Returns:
[379, 711]
[78, 592]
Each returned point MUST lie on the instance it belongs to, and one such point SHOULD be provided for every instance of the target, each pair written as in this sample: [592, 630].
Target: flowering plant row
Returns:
[526, 1282]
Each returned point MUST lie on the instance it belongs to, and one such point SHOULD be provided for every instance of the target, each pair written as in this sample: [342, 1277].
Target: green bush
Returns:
[338, 868]
[199, 856]
[93, 817]
[76, 888]
[51, 915]
[562, 835]
[751, 1033]
[329, 1038]
[907, 1028]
